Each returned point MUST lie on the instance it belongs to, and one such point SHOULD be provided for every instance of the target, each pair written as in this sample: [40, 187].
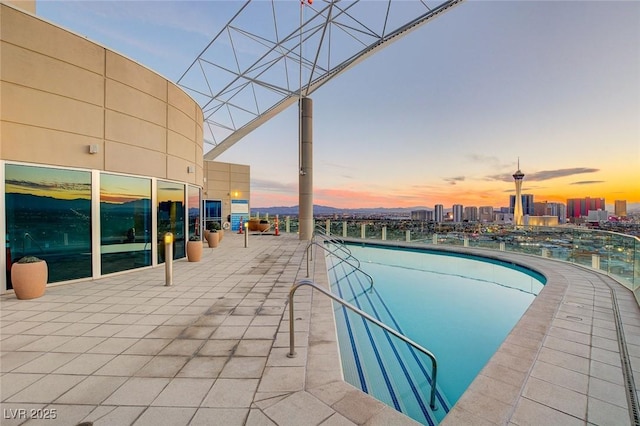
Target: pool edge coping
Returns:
[477, 405]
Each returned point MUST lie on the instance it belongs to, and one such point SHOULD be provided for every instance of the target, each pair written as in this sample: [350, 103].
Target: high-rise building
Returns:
[419, 214]
[485, 214]
[438, 213]
[540, 208]
[597, 216]
[517, 210]
[547, 214]
[528, 206]
[558, 210]
[471, 214]
[579, 207]
[620, 208]
[458, 212]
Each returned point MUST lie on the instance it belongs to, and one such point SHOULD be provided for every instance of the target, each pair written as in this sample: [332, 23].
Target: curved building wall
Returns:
[62, 94]
[78, 123]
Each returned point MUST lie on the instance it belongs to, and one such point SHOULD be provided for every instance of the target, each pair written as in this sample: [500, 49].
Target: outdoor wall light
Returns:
[93, 149]
[191, 169]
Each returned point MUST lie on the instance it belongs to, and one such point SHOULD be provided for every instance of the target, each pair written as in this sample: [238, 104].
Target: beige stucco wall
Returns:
[61, 93]
[28, 5]
[226, 181]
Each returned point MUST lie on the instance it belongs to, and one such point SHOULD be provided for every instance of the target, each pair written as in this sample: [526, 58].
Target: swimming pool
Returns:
[459, 307]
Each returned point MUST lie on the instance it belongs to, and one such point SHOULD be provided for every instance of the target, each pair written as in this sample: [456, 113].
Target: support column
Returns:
[305, 181]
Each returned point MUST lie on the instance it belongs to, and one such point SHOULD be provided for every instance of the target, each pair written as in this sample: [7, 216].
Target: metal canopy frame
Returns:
[272, 53]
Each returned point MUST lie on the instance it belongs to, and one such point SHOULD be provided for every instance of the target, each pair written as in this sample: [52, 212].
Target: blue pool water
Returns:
[458, 307]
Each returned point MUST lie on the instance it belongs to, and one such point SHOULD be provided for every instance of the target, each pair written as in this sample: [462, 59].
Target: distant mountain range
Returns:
[327, 210]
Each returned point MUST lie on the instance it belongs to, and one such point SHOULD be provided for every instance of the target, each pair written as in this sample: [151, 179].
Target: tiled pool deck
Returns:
[212, 350]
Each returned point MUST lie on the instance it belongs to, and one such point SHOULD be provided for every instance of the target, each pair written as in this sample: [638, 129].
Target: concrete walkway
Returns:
[212, 350]
[209, 350]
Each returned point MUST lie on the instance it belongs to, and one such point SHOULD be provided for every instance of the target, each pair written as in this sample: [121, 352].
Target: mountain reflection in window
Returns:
[48, 215]
[171, 199]
[125, 222]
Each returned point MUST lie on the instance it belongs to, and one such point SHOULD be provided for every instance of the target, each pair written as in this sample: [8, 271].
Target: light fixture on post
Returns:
[168, 259]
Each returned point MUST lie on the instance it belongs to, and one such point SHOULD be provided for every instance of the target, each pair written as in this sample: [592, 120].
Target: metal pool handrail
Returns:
[341, 259]
[320, 232]
[313, 285]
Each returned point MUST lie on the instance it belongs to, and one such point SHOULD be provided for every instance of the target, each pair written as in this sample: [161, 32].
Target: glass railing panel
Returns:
[336, 227]
[353, 230]
[421, 236]
[585, 244]
[398, 234]
[620, 257]
[293, 225]
[484, 242]
[451, 239]
[636, 269]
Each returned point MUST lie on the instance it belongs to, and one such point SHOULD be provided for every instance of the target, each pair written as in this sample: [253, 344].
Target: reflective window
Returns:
[212, 212]
[48, 215]
[171, 217]
[125, 222]
[194, 212]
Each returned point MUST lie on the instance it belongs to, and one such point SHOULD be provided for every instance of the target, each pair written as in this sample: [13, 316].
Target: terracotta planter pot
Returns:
[220, 234]
[194, 251]
[213, 239]
[29, 280]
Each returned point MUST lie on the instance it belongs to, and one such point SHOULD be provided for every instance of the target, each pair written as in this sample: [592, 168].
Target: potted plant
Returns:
[263, 226]
[29, 277]
[253, 224]
[194, 249]
[213, 238]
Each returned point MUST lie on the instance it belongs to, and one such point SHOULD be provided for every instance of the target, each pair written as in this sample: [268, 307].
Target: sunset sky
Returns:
[439, 117]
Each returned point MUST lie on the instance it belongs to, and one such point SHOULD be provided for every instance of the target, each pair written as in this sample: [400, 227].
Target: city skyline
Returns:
[441, 116]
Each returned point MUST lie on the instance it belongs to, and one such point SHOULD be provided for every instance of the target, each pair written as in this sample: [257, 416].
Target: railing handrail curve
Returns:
[321, 232]
[313, 285]
[340, 244]
[342, 259]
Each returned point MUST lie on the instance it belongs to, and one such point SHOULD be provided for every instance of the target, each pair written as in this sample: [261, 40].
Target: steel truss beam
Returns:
[271, 53]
